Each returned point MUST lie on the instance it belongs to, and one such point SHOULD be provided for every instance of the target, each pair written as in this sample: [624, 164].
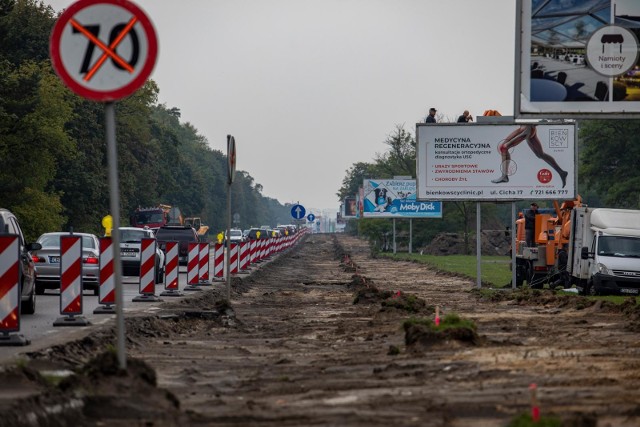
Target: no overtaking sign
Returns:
[103, 50]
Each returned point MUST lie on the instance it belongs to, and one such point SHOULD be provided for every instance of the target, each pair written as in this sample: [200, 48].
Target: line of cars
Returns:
[39, 266]
[39, 262]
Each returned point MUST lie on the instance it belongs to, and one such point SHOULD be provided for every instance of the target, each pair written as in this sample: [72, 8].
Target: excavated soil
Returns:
[316, 337]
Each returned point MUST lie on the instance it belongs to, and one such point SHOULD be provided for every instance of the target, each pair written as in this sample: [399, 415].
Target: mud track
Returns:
[316, 338]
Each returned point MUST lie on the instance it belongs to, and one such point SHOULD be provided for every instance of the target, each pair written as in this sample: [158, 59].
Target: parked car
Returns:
[130, 241]
[47, 261]
[236, 235]
[27, 270]
[177, 233]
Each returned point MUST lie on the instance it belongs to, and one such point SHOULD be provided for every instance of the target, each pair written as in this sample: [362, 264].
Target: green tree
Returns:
[608, 161]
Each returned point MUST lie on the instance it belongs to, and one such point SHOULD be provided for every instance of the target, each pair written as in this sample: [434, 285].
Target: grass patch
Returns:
[450, 321]
[495, 269]
[525, 420]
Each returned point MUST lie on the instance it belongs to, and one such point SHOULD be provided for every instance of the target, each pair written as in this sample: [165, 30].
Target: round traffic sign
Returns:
[103, 50]
[298, 211]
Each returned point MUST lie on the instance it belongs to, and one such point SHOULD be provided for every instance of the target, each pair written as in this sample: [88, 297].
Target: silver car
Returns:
[47, 261]
[130, 240]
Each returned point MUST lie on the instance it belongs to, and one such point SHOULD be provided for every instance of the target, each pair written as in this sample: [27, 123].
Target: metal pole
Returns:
[226, 243]
[394, 236]
[513, 245]
[410, 234]
[114, 206]
[478, 246]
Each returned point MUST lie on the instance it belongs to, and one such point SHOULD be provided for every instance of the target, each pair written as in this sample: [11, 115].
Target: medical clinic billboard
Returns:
[577, 59]
[495, 162]
[396, 198]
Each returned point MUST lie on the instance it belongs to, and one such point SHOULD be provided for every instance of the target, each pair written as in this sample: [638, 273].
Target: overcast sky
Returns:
[310, 87]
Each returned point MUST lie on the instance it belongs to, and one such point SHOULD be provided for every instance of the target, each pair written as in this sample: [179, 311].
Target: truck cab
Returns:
[605, 251]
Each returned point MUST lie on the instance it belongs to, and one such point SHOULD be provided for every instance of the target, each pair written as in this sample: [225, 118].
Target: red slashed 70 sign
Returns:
[103, 50]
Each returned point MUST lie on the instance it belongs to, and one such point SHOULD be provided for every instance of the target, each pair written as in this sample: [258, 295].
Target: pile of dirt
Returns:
[423, 334]
[109, 393]
[493, 243]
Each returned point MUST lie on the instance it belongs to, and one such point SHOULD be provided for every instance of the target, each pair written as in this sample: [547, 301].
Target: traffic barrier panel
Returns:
[243, 263]
[10, 291]
[71, 282]
[172, 273]
[107, 282]
[218, 261]
[252, 251]
[203, 264]
[193, 261]
[147, 276]
[233, 258]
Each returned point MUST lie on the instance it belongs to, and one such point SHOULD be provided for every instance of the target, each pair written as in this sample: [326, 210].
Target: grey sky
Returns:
[310, 87]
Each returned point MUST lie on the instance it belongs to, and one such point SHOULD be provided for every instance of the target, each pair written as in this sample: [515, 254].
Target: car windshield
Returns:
[53, 241]
[236, 233]
[132, 236]
[618, 246]
[175, 235]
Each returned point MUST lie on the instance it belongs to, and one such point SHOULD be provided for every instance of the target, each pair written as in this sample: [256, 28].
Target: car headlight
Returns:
[603, 269]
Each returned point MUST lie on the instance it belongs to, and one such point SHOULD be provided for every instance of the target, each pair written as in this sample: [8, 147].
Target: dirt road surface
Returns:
[293, 349]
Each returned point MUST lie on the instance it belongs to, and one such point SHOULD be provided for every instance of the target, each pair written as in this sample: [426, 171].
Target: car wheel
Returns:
[40, 289]
[592, 291]
[29, 306]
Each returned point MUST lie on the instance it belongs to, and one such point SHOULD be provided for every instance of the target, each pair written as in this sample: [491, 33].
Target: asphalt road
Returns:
[38, 328]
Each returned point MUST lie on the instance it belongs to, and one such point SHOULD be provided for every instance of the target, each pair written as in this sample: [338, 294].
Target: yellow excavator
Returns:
[196, 223]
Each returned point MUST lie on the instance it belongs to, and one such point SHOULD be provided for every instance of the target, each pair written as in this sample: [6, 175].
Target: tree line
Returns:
[608, 176]
[53, 165]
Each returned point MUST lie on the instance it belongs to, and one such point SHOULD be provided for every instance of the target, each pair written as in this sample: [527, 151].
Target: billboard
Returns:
[349, 207]
[495, 161]
[396, 198]
[577, 58]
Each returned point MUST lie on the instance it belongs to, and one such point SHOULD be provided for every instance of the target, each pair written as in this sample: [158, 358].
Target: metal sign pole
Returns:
[478, 246]
[513, 245]
[394, 236]
[410, 235]
[114, 207]
[226, 243]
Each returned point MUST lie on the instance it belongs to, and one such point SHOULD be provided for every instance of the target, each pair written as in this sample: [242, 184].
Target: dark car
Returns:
[183, 234]
[27, 271]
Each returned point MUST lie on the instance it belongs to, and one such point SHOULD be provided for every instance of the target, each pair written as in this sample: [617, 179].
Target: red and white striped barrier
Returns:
[203, 264]
[252, 251]
[171, 274]
[233, 258]
[147, 277]
[10, 291]
[193, 266]
[107, 283]
[71, 282]
[218, 261]
[245, 254]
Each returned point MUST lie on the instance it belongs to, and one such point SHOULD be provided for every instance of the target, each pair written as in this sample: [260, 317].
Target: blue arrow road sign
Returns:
[311, 217]
[298, 212]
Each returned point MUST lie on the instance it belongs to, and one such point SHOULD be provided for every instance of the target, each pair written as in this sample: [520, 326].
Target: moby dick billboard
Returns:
[396, 198]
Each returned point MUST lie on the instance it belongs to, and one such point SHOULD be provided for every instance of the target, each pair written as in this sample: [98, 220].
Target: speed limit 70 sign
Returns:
[103, 50]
